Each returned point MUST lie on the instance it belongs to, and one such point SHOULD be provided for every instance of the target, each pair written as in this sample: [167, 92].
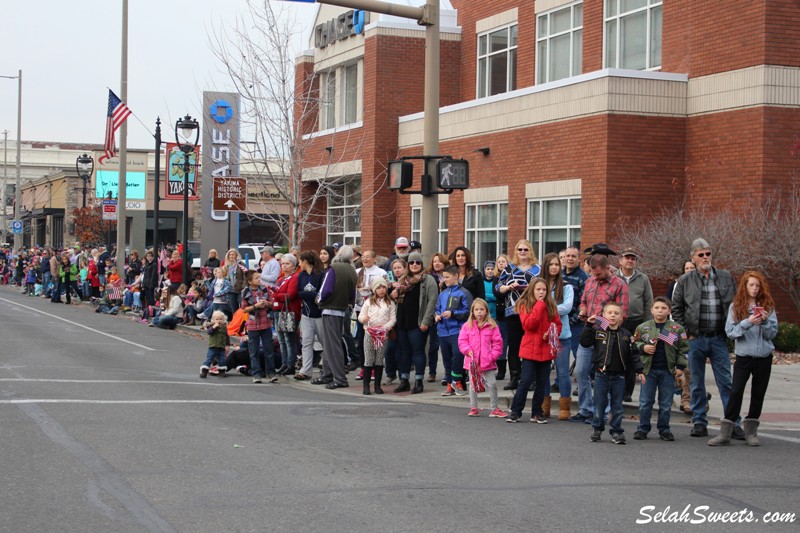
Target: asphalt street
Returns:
[106, 426]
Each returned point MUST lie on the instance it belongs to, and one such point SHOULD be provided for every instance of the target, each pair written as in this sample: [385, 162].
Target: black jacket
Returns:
[150, 275]
[613, 350]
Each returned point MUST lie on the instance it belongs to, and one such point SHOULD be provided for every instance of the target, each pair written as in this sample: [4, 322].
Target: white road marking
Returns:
[778, 437]
[22, 401]
[120, 339]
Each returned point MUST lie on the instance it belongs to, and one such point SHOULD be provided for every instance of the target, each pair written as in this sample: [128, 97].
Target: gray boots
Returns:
[750, 427]
[724, 437]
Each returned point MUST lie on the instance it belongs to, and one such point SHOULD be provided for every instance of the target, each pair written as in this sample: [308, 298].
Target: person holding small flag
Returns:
[663, 345]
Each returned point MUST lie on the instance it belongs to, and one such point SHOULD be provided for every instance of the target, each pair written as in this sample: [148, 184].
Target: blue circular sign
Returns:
[221, 111]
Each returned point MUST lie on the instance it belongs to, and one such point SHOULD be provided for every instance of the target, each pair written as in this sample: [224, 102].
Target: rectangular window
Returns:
[443, 212]
[350, 96]
[487, 231]
[344, 213]
[559, 43]
[497, 61]
[633, 34]
[553, 224]
[328, 101]
[416, 224]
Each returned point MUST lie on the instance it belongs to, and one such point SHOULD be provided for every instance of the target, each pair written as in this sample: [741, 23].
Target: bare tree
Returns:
[257, 55]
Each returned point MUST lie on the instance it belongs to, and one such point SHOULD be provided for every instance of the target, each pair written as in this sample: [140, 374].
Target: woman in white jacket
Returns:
[378, 316]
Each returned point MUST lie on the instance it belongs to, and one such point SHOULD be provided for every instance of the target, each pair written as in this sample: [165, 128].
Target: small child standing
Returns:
[662, 346]
[538, 315]
[613, 353]
[217, 341]
[30, 281]
[452, 311]
[481, 343]
[378, 315]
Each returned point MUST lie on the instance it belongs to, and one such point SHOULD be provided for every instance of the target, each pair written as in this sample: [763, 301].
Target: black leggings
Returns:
[760, 368]
[514, 340]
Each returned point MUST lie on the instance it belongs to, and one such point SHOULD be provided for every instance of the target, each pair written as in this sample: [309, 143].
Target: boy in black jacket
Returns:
[613, 354]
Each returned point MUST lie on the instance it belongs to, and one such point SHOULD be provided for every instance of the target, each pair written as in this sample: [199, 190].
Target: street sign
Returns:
[109, 210]
[16, 226]
[230, 194]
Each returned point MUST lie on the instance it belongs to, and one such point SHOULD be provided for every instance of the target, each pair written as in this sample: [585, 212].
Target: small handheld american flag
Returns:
[669, 338]
[601, 322]
[115, 291]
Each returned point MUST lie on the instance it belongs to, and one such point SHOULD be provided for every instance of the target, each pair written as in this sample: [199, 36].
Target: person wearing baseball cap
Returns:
[401, 251]
[640, 300]
[415, 246]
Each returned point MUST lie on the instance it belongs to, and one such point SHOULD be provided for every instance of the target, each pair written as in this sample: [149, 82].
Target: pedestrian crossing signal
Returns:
[452, 174]
[401, 175]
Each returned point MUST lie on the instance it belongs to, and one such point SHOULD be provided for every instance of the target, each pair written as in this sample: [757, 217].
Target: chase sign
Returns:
[340, 28]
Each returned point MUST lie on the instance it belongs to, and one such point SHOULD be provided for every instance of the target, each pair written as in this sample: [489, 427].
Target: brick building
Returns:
[590, 110]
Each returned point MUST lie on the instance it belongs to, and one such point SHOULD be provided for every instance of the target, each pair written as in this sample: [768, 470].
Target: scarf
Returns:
[407, 283]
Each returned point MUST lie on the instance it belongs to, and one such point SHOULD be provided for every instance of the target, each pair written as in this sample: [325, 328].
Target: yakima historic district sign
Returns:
[230, 194]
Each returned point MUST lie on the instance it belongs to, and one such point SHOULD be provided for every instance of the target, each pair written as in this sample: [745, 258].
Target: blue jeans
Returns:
[452, 358]
[411, 345]
[390, 358]
[166, 321]
[662, 381]
[288, 344]
[219, 355]
[262, 337]
[46, 277]
[433, 350]
[715, 349]
[538, 373]
[603, 385]
[583, 366]
[562, 371]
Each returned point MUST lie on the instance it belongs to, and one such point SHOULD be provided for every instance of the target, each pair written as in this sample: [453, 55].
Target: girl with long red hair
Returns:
[752, 324]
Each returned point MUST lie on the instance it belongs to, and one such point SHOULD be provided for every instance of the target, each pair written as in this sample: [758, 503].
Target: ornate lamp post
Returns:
[187, 135]
[84, 166]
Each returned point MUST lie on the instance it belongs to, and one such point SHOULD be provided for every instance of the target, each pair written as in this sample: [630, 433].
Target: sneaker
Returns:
[474, 411]
[538, 419]
[498, 413]
[579, 418]
[360, 376]
[618, 438]
[203, 372]
[449, 391]
[256, 380]
[512, 418]
[738, 433]
[273, 378]
[444, 383]
[458, 388]
[214, 370]
[666, 435]
[699, 430]
[639, 435]
[595, 437]
[243, 370]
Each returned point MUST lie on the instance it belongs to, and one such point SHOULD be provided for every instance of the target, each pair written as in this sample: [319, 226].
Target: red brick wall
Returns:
[592, 35]
[782, 28]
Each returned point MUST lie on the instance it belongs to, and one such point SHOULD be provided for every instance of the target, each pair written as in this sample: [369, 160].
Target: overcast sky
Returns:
[69, 53]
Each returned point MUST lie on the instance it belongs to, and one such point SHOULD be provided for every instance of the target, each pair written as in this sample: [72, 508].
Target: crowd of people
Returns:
[344, 310]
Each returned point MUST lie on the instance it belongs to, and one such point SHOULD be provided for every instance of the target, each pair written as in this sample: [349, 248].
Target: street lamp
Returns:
[84, 166]
[187, 135]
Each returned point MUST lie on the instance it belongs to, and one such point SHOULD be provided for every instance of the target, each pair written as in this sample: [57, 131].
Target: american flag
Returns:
[118, 113]
[669, 338]
[602, 322]
[115, 290]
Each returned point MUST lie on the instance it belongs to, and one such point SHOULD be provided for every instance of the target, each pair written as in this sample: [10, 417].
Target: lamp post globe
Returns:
[84, 166]
[187, 135]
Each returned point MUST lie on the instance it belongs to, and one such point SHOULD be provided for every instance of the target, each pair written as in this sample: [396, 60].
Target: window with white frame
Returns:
[443, 212]
[416, 223]
[339, 96]
[633, 34]
[487, 231]
[497, 61]
[554, 224]
[344, 212]
[559, 43]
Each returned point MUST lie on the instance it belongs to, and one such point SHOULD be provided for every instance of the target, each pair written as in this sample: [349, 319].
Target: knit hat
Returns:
[414, 256]
[377, 282]
[488, 264]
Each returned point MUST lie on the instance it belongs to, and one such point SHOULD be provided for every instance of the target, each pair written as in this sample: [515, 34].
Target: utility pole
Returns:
[123, 147]
[5, 182]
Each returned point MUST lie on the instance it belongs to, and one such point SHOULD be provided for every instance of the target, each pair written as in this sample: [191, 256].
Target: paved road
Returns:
[106, 427]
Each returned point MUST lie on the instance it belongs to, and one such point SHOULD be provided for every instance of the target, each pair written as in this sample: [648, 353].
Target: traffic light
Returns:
[452, 174]
[401, 175]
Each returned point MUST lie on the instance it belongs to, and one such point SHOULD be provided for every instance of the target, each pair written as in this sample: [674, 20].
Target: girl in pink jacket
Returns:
[480, 342]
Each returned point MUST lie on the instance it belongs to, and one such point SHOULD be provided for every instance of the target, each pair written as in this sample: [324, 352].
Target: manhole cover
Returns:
[350, 412]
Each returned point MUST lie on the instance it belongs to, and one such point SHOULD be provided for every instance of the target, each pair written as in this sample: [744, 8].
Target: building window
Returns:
[416, 224]
[350, 94]
[487, 231]
[633, 34]
[443, 211]
[553, 224]
[328, 97]
[497, 61]
[344, 213]
[559, 43]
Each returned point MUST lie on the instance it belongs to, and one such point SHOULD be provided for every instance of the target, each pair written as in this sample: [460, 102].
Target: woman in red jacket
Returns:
[539, 317]
[93, 277]
[175, 269]
[287, 298]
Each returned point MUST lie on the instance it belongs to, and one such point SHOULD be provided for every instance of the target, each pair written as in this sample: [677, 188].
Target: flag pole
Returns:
[123, 149]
